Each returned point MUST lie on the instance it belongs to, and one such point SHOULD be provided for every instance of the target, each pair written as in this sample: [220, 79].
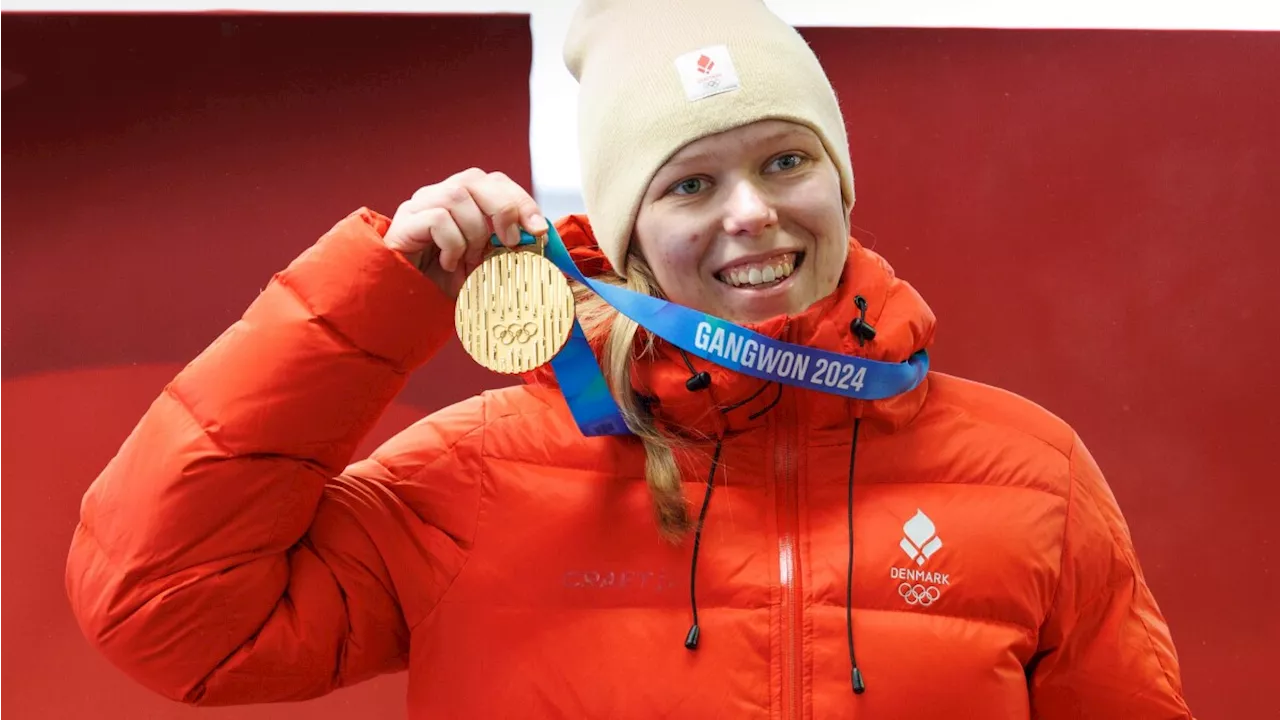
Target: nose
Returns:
[748, 211]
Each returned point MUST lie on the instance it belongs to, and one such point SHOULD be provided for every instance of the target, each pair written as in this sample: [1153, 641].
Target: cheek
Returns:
[835, 254]
[819, 207]
[826, 223]
[676, 259]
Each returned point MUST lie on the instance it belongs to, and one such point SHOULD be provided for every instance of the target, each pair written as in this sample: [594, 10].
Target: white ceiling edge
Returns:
[1129, 14]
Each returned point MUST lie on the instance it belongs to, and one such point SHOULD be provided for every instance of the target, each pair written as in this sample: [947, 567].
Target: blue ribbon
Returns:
[712, 339]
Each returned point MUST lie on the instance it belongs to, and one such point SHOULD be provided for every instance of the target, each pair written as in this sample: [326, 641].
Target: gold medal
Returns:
[514, 312]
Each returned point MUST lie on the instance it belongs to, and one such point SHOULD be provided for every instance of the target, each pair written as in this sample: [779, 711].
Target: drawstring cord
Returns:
[859, 686]
[771, 404]
[864, 332]
[701, 381]
[691, 640]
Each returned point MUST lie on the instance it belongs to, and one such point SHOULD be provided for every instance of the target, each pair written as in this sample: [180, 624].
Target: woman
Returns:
[749, 549]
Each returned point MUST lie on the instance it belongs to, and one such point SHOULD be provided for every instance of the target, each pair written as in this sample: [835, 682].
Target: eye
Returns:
[688, 186]
[787, 161]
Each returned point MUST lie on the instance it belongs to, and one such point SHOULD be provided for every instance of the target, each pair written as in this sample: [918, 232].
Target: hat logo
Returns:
[707, 71]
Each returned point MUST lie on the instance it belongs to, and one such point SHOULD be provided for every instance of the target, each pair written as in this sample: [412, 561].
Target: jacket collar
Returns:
[735, 402]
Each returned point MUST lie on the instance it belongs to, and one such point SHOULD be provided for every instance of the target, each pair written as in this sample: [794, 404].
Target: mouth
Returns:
[761, 274]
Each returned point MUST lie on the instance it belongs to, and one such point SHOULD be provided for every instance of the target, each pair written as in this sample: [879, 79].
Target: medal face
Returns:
[514, 312]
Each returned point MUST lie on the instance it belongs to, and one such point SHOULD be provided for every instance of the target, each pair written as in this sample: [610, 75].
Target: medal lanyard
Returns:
[713, 339]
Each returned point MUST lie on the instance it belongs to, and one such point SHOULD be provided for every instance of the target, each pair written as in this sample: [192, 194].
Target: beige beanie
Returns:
[656, 75]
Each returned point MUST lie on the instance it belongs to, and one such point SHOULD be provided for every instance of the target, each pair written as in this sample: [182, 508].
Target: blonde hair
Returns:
[617, 335]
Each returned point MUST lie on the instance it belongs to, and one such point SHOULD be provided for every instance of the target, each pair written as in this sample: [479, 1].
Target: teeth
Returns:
[777, 269]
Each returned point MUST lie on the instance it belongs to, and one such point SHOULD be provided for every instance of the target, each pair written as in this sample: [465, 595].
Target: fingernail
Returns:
[513, 235]
[539, 224]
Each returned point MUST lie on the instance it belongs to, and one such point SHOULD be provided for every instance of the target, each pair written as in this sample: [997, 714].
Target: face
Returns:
[747, 224]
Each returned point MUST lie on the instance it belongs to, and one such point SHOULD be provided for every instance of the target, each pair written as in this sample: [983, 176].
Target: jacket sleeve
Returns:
[1105, 649]
[228, 554]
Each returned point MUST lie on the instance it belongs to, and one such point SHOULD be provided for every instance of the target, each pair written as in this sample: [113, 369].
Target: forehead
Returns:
[754, 135]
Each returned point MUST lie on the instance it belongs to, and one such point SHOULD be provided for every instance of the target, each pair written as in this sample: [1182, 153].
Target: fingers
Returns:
[474, 194]
[507, 206]
[431, 230]
[468, 216]
[465, 233]
[448, 225]
[447, 236]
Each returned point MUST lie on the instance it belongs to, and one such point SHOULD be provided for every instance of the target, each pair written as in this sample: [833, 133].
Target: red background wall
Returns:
[157, 171]
[1093, 217]
[1088, 213]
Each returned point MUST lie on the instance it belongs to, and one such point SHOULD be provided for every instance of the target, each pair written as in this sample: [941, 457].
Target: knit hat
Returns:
[656, 75]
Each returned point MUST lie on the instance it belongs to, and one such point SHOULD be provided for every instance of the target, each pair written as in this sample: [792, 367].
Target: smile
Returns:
[761, 273]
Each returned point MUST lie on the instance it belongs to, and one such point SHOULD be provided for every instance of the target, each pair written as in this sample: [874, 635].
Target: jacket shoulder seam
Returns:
[1010, 428]
[1057, 451]
[1064, 452]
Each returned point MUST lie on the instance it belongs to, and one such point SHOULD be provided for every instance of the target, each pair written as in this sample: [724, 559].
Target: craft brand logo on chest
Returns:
[647, 581]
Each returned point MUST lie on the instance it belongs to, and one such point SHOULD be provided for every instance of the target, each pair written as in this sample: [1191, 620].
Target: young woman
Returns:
[749, 548]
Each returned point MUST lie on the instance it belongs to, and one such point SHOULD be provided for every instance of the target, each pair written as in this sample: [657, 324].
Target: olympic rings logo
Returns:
[515, 332]
[918, 594]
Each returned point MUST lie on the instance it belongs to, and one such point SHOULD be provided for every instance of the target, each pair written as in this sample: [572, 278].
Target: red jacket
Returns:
[230, 553]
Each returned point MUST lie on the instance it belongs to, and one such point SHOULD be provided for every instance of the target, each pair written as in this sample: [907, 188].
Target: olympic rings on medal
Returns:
[918, 594]
[515, 332]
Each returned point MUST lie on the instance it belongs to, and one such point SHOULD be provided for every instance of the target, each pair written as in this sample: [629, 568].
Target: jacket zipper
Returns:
[789, 564]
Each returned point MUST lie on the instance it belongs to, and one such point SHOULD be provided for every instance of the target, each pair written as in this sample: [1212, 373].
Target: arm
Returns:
[227, 554]
[1105, 650]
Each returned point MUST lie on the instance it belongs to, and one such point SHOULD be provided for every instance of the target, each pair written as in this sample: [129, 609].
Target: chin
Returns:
[760, 309]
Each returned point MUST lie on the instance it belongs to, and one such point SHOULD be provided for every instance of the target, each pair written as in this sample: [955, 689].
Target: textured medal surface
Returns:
[514, 312]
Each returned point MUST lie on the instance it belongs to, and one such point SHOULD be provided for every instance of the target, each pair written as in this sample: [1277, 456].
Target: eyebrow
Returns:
[772, 137]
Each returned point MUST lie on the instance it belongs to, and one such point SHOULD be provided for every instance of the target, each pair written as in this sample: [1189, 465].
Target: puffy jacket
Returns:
[232, 553]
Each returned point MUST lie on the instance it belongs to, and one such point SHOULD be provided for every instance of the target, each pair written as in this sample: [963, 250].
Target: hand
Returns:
[444, 228]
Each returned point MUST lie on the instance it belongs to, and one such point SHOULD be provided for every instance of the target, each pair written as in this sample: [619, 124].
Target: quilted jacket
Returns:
[234, 551]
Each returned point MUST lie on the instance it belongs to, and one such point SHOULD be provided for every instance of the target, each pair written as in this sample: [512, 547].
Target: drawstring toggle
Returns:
[699, 381]
[691, 640]
[860, 328]
[859, 686]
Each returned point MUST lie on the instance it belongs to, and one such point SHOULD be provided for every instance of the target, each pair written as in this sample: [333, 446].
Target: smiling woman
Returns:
[235, 551]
